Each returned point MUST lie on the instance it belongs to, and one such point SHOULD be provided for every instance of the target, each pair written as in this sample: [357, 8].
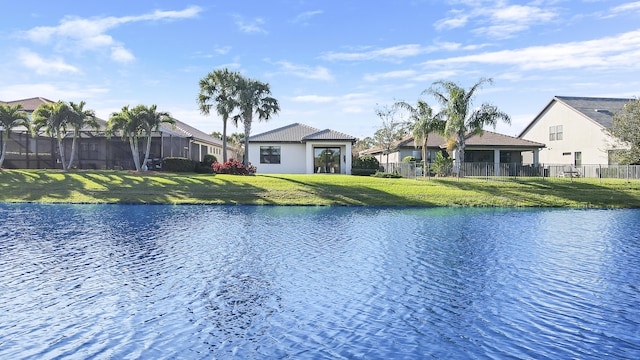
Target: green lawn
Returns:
[167, 188]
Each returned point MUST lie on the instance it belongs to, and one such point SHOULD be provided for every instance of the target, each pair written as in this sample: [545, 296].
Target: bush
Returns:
[176, 164]
[206, 165]
[409, 158]
[233, 167]
[381, 174]
[442, 165]
[363, 172]
[366, 162]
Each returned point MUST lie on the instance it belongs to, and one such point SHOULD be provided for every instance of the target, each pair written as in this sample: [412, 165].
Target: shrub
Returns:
[442, 165]
[176, 164]
[206, 165]
[363, 172]
[381, 174]
[365, 162]
[409, 158]
[233, 167]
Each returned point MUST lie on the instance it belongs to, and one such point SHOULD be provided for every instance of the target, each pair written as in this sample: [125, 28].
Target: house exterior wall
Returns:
[292, 158]
[579, 134]
[345, 155]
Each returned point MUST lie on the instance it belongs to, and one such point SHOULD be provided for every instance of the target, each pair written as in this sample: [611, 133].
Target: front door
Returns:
[326, 160]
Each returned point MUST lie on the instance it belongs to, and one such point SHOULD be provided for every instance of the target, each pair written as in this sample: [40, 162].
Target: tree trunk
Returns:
[61, 150]
[73, 151]
[247, 130]
[4, 147]
[146, 153]
[224, 139]
[133, 143]
[424, 156]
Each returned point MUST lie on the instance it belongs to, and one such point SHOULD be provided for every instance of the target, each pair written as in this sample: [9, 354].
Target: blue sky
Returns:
[329, 63]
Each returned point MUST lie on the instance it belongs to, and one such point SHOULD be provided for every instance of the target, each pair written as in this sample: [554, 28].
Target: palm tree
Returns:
[254, 97]
[135, 123]
[423, 122]
[53, 117]
[220, 87]
[10, 117]
[461, 120]
[151, 121]
[78, 118]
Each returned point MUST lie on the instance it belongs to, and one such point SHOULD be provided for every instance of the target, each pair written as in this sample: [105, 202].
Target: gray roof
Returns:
[598, 110]
[296, 133]
[29, 105]
[185, 130]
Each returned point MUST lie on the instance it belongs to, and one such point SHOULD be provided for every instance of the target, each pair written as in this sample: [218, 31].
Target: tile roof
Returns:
[299, 133]
[30, 104]
[183, 129]
[600, 110]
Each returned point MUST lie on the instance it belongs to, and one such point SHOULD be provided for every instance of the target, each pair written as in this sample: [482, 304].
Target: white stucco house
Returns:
[574, 130]
[301, 149]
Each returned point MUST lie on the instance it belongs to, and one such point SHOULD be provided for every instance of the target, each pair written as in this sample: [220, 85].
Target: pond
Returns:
[201, 282]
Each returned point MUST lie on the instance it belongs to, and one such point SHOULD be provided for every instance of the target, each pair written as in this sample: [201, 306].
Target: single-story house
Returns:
[96, 151]
[488, 147]
[574, 129]
[301, 149]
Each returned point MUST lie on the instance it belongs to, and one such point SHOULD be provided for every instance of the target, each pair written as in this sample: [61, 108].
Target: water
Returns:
[202, 282]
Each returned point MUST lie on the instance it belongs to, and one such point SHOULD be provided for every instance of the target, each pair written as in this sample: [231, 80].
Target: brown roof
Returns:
[29, 105]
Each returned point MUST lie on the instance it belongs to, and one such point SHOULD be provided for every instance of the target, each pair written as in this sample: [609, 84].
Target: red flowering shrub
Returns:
[233, 167]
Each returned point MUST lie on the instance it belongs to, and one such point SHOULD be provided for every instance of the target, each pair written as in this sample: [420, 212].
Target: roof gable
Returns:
[598, 110]
[299, 133]
[30, 104]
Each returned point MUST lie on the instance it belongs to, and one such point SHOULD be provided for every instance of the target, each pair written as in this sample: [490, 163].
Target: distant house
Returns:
[301, 149]
[96, 151]
[490, 147]
[574, 129]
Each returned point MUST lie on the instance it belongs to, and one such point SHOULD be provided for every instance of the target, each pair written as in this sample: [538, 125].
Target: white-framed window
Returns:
[555, 132]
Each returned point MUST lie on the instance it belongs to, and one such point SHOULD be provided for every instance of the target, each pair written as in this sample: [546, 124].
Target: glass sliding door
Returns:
[326, 160]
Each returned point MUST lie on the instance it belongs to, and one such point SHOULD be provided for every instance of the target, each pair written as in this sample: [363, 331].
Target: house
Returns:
[574, 129]
[486, 148]
[95, 150]
[301, 149]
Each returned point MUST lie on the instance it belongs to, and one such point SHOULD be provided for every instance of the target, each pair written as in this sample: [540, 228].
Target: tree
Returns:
[220, 88]
[461, 119]
[422, 122]
[137, 123]
[53, 117]
[626, 129]
[363, 144]
[77, 118]
[10, 117]
[387, 136]
[254, 97]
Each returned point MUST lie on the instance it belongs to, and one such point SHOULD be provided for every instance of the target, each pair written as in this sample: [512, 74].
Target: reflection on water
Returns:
[127, 281]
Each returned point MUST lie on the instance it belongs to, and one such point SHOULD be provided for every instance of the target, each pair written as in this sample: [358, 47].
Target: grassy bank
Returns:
[165, 188]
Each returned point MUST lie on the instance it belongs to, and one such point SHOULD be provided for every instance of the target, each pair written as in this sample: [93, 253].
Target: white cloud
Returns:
[249, 27]
[625, 8]
[621, 51]
[398, 74]
[91, 34]
[304, 17]
[306, 72]
[393, 53]
[43, 66]
[314, 99]
[51, 91]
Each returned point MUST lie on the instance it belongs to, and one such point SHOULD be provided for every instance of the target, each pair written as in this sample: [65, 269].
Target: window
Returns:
[577, 158]
[269, 154]
[555, 133]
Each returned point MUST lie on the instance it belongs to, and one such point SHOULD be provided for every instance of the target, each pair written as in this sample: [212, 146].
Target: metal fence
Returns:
[515, 170]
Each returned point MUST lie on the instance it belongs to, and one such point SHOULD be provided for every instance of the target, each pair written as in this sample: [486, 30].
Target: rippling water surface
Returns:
[201, 282]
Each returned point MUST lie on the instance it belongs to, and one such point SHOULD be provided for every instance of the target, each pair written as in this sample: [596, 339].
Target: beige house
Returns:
[574, 130]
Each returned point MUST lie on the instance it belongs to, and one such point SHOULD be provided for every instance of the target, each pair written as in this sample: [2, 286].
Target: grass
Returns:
[104, 186]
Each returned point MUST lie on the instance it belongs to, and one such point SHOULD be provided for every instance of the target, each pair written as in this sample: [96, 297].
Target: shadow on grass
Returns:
[556, 192]
[355, 195]
[124, 187]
